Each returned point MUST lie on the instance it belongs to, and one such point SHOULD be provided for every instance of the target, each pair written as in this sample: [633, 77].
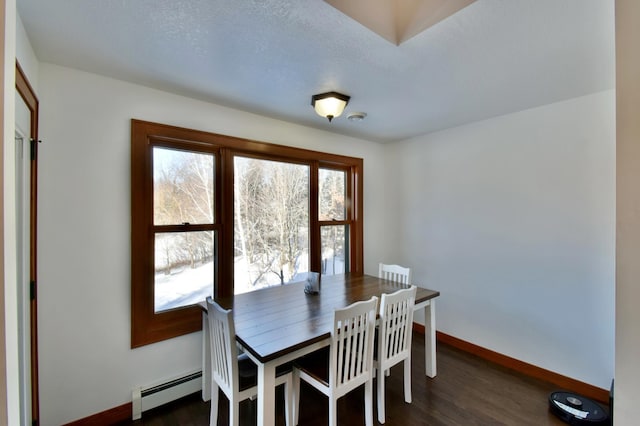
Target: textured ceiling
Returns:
[269, 56]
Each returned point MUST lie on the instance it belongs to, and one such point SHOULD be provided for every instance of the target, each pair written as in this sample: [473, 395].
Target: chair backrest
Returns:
[351, 361]
[396, 324]
[395, 273]
[224, 352]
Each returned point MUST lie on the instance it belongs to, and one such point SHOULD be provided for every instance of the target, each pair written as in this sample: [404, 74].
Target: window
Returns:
[271, 215]
[183, 227]
[334, 226]
[217, 215]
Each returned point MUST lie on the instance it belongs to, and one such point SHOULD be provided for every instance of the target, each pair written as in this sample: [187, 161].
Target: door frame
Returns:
[28, 95]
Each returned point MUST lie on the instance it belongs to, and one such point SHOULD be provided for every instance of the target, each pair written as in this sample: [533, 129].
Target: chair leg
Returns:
[368, 402]
[333, 412]
[288, 402]
[295, 406]
[213, 418]
[381, 411]
[234, 413]
[407, 380]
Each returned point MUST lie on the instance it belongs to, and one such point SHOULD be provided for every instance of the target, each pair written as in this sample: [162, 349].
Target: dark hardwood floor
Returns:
[466, 391]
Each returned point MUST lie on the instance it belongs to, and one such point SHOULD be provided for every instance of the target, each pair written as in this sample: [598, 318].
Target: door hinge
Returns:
[32, 290]
[34, 148]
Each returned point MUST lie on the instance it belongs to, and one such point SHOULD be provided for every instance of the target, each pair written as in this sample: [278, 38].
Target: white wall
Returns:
[512, 219]
[86, 364]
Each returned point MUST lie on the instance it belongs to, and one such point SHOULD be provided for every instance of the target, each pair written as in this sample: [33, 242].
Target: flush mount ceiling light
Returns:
[330, 104]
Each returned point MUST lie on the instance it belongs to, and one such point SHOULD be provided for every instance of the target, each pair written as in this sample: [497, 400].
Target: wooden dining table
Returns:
[278, 324]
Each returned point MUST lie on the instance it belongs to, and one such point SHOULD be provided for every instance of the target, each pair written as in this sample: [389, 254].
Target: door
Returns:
[26, 209]
[22, 256]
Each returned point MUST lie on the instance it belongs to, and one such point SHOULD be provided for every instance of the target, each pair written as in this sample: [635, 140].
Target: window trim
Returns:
[150, 327]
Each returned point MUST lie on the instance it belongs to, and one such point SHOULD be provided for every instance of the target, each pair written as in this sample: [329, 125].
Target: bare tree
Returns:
[183, 193]
[271, 209]
[332, 195]
[272, 216]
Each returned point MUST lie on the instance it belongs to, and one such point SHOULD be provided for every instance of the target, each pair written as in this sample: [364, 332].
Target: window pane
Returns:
[335, 249]
[184, 268]
[182, 187]
[271, 219]
[331, 193]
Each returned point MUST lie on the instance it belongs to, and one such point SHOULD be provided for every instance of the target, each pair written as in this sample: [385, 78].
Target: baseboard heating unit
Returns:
[152, 396]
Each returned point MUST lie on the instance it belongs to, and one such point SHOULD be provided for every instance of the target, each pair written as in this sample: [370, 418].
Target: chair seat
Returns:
[316, 364]
[248, 371]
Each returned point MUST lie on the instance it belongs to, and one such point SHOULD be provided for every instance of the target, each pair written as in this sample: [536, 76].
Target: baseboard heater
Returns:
[152, 396]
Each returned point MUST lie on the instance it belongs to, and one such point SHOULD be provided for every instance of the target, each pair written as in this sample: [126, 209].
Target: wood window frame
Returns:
[148, 326]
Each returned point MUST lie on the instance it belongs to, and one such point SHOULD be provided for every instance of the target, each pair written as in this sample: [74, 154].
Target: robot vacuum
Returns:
[576, 409]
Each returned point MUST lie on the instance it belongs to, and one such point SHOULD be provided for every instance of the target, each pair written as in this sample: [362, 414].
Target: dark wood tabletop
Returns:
[274, 321]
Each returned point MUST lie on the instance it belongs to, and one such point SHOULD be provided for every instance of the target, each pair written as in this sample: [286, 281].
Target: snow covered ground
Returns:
[190, 286]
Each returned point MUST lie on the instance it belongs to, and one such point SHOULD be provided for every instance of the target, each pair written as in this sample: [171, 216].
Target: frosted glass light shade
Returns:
[329, 105]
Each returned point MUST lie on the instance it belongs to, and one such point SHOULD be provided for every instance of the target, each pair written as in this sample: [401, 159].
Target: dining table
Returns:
[279, 324]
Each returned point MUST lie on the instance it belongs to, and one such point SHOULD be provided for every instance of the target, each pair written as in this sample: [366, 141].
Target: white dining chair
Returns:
[395, 331]
[395, 273]
[234, 374]
[346, 364]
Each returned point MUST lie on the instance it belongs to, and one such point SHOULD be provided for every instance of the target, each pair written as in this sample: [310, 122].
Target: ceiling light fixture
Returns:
[330, 104]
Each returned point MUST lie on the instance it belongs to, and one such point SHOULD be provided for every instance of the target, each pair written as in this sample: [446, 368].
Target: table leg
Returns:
[266, 394]
[430, 339]
[206, 357]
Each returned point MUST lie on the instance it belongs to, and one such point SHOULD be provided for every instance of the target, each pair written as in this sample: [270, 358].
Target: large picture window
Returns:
[218, 215]
[271, 216]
